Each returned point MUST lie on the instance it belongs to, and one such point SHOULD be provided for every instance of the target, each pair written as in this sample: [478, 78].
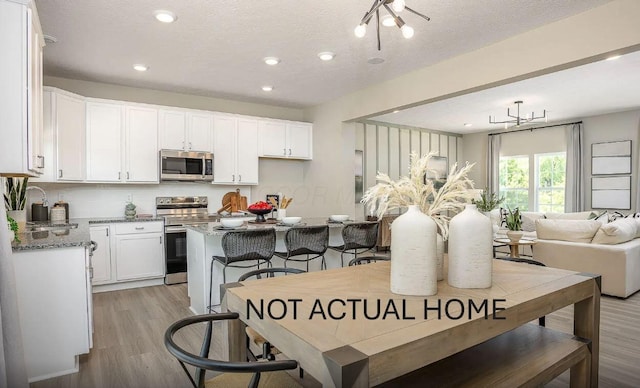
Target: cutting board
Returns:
[233, 202]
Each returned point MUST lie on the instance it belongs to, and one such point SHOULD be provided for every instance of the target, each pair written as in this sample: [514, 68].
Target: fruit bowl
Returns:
[260, 209]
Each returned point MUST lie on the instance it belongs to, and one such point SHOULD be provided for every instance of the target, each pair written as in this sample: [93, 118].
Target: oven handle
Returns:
[175, 229]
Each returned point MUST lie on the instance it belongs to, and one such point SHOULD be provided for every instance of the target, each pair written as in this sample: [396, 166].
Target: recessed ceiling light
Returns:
[267, 88]
[467, 124]
[375, 61]
[50, 39]
[388, 21]
[613, 57]
[326, 55]
[271, 61]
[165, 16]
[141, 67]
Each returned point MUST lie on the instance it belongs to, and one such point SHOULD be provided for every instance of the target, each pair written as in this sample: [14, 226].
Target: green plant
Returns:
[15, 193]
[513, 219]
[487, 202]
[13, 225]
[415, 189]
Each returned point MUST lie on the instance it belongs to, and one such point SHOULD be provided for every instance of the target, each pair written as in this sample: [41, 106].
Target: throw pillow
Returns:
[616, 216]
[567, 230]
[602, 217]
[617, 232]
[569, 216]
[529, 220]
[632, 215]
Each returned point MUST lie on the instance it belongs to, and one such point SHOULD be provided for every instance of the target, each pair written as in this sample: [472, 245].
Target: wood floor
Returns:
[129, 351]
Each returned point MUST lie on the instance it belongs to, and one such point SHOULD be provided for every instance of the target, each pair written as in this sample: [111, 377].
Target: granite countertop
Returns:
[76, 237]
[122, 219]
[214, 228]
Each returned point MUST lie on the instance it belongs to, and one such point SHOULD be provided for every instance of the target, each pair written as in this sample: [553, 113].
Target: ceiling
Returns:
[215, 48]
[597, 88]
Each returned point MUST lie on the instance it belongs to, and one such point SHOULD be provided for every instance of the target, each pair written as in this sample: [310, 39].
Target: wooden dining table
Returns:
[347, 329]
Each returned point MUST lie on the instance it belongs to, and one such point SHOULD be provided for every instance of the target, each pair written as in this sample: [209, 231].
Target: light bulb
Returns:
[398, 5]
[407, 31]
[361, 30]
[388, 21]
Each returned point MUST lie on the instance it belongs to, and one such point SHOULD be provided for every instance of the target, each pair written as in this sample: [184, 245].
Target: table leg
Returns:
[514, 250]
[236, 331]
[348, 367]
[586, 324]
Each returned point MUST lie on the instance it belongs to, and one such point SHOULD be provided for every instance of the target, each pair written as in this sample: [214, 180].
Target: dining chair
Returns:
[357, 237]
[309, 241]
[367, 259]
[236, 374]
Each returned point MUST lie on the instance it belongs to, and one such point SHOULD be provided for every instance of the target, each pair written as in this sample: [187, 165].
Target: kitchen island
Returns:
[204, 241]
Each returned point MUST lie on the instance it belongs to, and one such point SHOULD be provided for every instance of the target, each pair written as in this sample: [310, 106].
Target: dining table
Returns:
[347, 329]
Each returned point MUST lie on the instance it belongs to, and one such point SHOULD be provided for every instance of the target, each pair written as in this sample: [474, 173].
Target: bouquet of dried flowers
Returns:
[416, 189]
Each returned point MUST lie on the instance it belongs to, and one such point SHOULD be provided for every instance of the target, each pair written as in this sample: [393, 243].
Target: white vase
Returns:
[440, 255]
[20, 216]
[515, 235]
[414, 254]
[470, 249]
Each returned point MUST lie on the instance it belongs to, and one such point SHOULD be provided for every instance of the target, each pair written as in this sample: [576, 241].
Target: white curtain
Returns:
[574, 188]
[13, 372]
[493, 163]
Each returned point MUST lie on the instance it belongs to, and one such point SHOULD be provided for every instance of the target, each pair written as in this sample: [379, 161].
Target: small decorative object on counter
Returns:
[15, 199]
[259, 208]
[58, 214]
[470, 249]
[13, 228]
[65, 205]
[414, 244]
[130, 211]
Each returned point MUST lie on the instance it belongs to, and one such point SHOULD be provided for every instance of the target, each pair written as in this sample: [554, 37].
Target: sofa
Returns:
[574, 242]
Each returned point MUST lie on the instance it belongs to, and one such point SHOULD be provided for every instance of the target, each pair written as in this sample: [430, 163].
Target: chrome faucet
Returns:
[44, 195]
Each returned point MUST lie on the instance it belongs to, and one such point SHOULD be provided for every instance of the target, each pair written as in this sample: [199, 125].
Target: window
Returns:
[514, 181]
[550, 182]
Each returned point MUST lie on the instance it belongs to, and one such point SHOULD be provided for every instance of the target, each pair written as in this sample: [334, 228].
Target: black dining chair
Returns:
[367, 259]
[236, 374]
[542, 320]
[309, 241]
[358, 238]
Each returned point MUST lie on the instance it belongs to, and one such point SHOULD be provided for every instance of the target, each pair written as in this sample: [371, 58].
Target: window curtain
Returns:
[493, 164]
[574, 186]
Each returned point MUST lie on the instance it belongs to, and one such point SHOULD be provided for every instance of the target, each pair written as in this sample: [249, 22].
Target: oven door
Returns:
[175, 238]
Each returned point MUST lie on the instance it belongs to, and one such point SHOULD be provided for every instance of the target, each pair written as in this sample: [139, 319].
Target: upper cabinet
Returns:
[141, 150]
[21, 43]
[287, 140]
[186, 130]
[235, 150]
[67, 116]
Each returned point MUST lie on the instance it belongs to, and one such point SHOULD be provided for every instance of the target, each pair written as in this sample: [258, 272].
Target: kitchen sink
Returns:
[46, 228]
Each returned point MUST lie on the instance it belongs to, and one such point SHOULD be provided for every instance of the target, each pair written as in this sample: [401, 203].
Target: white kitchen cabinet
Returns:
[185, 130]
[235, 150]
[21, 43]
[68, 117]
[141, 150]
[54, 303]
[139, 250]
[104, 142]
[281, 139]
[101, 260]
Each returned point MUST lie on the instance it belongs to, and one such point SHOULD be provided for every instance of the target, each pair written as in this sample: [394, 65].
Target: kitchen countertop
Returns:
[122, 219]
[78, 237]
[213, 228]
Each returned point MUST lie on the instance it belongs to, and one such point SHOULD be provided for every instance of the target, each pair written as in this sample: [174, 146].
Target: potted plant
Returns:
[15, 199]
[13, 227]
[487, 202]
[513, 222]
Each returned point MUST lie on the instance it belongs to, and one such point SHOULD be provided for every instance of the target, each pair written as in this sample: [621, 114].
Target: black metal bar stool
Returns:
[357, 237]
[367, 259]
[308, 241]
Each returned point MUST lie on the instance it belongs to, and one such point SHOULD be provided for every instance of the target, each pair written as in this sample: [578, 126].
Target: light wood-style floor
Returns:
[129, 351]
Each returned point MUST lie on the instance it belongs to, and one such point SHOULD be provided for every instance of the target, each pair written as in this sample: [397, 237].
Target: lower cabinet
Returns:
[127, 252]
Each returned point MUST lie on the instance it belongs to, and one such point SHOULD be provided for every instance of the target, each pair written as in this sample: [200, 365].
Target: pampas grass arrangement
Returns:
[416, 189]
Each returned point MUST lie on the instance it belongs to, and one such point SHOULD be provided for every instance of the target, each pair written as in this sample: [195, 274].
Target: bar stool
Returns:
[243, 246]
[357, 237]
[367, 259]
[306, 240]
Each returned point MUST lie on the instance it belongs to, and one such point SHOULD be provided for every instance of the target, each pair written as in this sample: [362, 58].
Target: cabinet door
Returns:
[48, 140]
[101, 259]
[299, 138]
[139, 256]
[247, 151]
[104, 142]
[200, 129]
[35, 132]
[141, 145]
[70, 135]
[172, 130]
[272, 139]
[224, 149]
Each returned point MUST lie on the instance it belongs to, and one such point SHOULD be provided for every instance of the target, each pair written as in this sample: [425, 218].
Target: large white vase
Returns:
[470, 249]
[440, 255]
[413, 254]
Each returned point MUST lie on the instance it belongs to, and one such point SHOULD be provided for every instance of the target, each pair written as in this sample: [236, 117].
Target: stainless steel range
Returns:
[179, 212]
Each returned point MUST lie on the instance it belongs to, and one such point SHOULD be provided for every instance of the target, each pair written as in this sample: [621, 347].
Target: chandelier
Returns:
[517, 119]
[392, 19]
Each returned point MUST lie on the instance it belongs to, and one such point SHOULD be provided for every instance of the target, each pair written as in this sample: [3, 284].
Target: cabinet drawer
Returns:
[138, 227]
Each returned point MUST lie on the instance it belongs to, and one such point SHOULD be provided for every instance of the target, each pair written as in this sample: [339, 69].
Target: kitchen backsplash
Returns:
[108, 200]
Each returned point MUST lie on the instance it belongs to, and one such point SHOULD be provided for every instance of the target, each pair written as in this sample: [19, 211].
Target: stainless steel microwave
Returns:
[190, 166]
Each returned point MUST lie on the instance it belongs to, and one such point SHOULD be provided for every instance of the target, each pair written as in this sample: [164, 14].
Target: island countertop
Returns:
[216, 229]
[51, 239]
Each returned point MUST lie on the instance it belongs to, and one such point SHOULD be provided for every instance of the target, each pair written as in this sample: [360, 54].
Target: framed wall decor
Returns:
[611, 192]
[611, 158]
[439, 170]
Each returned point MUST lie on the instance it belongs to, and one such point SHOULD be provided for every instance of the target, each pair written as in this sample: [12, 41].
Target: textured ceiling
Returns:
[594, 89]
[215, 48]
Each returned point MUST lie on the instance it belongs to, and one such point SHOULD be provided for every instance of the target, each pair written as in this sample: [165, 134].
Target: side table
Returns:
[513, 245]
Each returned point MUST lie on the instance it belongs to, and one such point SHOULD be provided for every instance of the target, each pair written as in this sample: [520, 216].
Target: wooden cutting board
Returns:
[233, 202]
